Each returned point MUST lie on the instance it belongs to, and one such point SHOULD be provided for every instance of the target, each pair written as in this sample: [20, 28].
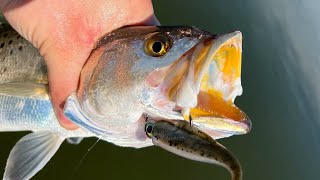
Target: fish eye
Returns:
[157, 45]
[148, 129]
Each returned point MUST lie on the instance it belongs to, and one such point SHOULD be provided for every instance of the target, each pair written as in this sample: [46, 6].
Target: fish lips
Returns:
[203, 84]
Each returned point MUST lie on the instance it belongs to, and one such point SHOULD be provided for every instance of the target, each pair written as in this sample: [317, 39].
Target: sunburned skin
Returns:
[183, 139]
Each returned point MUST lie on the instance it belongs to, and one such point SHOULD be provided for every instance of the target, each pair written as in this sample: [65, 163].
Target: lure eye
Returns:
[157, 45]
[148, 129]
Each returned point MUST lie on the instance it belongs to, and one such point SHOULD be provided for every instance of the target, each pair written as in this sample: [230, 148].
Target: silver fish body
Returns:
[24, 97]
[20, 61]
[27, 107]
[165, 72]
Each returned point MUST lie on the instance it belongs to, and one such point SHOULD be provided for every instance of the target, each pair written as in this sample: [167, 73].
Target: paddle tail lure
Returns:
[183, 139]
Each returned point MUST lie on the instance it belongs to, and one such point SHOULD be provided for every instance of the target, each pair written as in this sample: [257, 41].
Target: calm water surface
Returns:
[281, 62]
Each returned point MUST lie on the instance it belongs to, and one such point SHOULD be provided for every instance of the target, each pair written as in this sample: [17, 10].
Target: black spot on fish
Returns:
[20, 48]
[202, 153]
[2, 45]
[11, 52]
[5, 35]
[170, 143]
[18, 37]
[10, 42]
[4, 70]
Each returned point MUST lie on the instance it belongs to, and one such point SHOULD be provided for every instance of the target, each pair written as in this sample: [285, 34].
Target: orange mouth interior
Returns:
[212, 101]
[210, 104]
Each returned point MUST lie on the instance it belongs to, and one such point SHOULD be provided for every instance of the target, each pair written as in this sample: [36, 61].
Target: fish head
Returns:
[201, 84]
[165, 72]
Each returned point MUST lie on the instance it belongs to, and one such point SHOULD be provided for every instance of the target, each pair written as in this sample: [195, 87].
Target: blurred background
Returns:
[280, 77]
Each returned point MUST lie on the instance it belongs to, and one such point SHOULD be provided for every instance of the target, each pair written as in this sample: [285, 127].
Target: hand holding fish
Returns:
[65, 33]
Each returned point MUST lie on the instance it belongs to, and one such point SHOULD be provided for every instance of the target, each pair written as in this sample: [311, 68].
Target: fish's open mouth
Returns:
[203, 84]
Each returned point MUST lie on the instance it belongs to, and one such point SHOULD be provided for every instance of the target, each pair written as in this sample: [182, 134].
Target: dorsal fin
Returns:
[25, 89]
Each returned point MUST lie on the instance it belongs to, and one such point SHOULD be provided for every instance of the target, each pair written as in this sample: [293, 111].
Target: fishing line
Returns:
[94, 144]
[86, 154]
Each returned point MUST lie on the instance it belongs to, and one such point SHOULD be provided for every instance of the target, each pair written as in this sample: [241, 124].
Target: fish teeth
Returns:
[186, 113]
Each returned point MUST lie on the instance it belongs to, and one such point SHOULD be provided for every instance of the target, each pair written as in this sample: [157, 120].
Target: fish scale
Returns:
[17, 113]
[16, 52]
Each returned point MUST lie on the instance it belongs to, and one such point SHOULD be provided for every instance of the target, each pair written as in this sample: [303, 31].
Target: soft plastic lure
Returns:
[188, 141]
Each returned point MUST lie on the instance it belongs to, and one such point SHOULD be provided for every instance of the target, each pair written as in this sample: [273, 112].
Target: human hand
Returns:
[66, 31]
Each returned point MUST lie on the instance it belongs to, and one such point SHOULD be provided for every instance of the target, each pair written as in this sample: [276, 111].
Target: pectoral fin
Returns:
[74, 140]
[31, 154]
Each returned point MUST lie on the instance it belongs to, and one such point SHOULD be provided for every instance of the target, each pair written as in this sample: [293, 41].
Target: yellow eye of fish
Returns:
[148, 129]
[158, 45]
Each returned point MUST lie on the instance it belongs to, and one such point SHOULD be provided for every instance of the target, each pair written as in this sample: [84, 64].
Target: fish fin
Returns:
[25, 89]
[30, 154]
[74, 140]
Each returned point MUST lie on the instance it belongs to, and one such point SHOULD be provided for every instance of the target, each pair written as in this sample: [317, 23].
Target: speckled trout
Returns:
[168, 74]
